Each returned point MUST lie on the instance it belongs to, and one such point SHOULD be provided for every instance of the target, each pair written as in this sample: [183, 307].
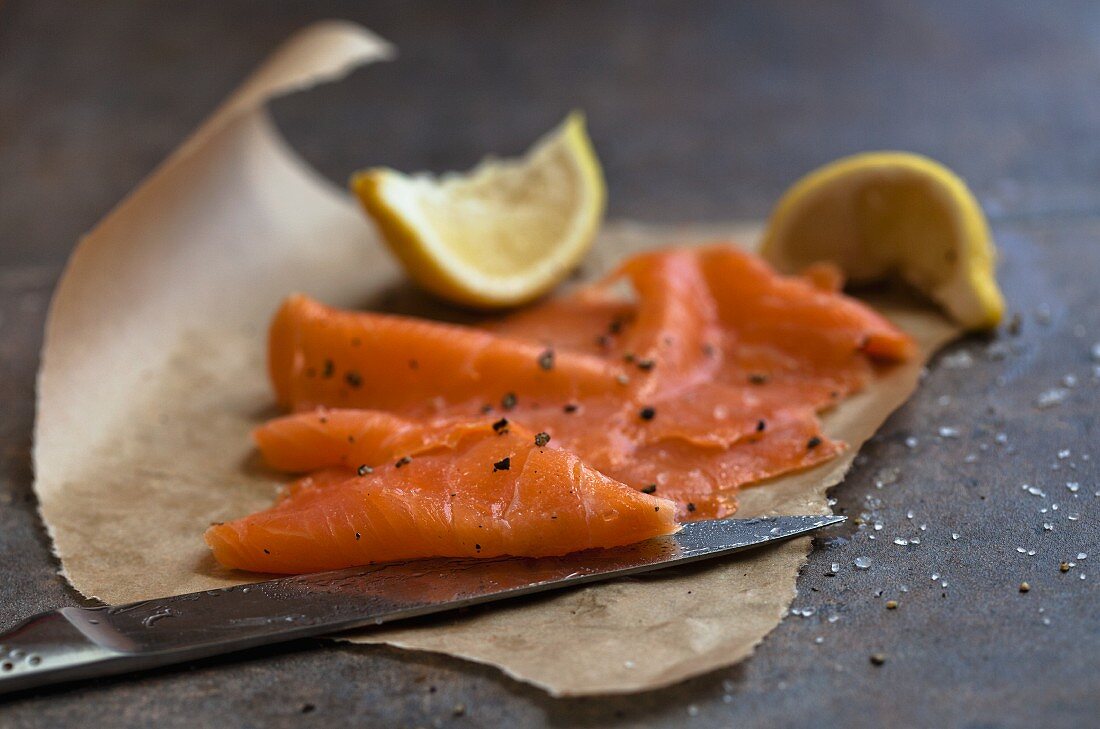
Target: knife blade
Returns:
[75, 643]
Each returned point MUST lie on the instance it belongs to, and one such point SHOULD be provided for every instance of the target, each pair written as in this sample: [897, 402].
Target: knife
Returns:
[75, 643]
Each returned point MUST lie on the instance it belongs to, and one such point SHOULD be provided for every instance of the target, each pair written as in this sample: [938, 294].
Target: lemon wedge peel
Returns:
[892, 213]
[500, 235]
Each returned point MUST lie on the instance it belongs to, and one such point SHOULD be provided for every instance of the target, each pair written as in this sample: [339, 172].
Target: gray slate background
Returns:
[700, 111]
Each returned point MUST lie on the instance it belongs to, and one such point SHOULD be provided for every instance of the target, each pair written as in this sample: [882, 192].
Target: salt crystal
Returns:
[878, 526]
[1073, 517]
[886, 476]
[1050, 398]
[1031, 553]
[1036, 491]
[935, 576]
[1048, 526]
[1073, 486]
[1069, 380]
[1063, 454]
[693, 710]
[914, 540]
[901, 542]
[970, 458]
[819, 640]
[862, 563]
[833, 618]
[911, 442]
[1082, 555]
[924, 527]
[948, 432]
[909, 514]
[835, 566]
[1001, 438]
[954, 536]
[1021, 550]
[957, 360]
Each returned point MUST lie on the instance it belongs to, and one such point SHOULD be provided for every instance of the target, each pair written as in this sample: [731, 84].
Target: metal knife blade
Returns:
[77, 643]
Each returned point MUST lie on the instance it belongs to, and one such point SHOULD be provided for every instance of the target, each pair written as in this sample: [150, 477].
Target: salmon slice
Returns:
[324, 438]
[486, 494]
[693, 371]
[319, 355]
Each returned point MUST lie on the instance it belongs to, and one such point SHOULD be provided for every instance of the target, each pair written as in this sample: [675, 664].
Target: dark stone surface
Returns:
[699, 111]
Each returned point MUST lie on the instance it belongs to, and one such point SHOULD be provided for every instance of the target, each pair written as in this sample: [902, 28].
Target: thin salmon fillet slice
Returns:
[689, 471]
[323, 438]
[491, 495]
[319, 355]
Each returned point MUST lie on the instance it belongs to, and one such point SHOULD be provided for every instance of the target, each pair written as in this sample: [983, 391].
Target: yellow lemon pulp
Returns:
[880, 214]
[501, 234]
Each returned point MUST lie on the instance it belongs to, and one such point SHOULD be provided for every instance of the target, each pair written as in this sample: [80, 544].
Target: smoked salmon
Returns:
[707, 376]
[657, 393]
[486, 493]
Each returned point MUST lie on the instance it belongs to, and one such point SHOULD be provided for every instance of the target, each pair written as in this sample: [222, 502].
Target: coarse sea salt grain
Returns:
[946, 431]
[862, 563]
[1051, 398]
[957, 360]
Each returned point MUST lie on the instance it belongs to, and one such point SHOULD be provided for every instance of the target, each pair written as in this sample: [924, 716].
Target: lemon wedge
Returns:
[503, 233]
[883, 214]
